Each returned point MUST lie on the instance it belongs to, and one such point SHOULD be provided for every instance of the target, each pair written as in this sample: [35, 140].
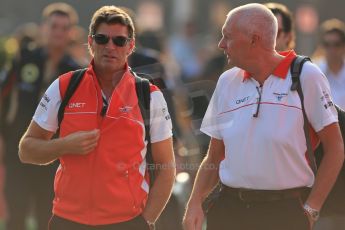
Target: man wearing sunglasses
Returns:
[102, 181]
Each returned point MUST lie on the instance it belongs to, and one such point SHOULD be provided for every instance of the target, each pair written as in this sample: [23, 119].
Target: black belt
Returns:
[251, 195]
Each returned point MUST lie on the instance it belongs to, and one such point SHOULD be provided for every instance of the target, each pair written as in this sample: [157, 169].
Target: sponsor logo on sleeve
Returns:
[44, 102]
[43, 106]
[166, 114]
[46, 98]
[327, 100]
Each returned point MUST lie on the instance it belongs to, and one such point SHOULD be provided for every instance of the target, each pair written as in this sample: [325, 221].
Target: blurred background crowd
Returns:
[176, 44]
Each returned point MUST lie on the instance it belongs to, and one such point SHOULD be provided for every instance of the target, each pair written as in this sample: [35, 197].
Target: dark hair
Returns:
[62, 9]
[333, 26]
[287, 19]
[283, 11]
[111, 15]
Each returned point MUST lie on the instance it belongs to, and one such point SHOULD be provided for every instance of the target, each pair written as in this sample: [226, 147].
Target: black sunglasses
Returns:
[102, 39]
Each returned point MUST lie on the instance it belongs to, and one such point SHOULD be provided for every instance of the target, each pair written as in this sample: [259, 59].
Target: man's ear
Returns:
[89, 43]
[131, 46]
[255, 39]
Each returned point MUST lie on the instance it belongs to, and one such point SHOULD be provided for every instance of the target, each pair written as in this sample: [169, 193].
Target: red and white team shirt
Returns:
[160, 129]
[267, 151]
[109, 184]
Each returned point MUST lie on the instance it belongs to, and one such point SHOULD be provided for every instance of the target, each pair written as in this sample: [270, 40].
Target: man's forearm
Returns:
[325, 178]
[203, 187]
[330, 166]
[208, 173]
[159, 193]
[37, 151]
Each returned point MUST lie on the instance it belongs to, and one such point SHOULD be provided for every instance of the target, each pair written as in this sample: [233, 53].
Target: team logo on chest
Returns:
[76, 105]
[280, 96]
[242, 100]
[125, 109]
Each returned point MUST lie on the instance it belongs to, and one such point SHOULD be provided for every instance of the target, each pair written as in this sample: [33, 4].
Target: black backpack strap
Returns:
[296, 69]
[72, 86]
[142, 87]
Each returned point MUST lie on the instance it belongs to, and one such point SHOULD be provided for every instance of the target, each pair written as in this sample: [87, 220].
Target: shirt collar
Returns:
[282, 69]
[92, 65]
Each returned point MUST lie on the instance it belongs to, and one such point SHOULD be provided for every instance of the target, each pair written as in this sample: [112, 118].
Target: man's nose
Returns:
[110, 44]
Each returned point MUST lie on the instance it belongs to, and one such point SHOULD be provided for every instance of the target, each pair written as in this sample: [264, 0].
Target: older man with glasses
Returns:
[258, 155]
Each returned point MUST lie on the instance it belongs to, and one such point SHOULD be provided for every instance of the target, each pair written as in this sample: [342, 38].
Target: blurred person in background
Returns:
[28, 188]
[286, 33]
[5, 58]
[24, 40]
[330, 58]
[216, 63]
[102, 181]
[78, 46]
[185, 47]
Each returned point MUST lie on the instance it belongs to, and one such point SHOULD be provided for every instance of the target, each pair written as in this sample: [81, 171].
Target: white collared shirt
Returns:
[268, 151]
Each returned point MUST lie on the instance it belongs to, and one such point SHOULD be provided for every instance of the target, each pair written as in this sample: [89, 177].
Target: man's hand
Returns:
[37, 147]
[312, 214]
[311, 221]
[194, 216]
[82, 142]
[206, 179]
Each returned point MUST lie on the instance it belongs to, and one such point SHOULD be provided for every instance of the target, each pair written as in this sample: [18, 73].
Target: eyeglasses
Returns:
[102, 39]
[335, 44]
[256, 114]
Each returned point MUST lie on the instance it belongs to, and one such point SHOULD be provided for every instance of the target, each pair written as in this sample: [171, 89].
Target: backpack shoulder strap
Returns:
[142, 87]
[296, 69]
[72, 86]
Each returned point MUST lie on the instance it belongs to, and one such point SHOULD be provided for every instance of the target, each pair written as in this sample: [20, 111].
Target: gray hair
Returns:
[256, 18]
